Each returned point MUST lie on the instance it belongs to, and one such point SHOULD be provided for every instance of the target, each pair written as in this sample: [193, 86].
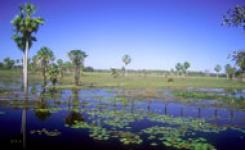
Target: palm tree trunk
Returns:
[125, 73]
[25, 69]
[61, 72]
[23, 128]
[44, 76]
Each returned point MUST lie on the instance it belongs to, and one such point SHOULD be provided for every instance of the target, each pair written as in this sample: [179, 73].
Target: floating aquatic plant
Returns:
[129, 138]
[207, 95]
[52, 110]
[191, 144]
[44, 131]
[177, 132]
[99, 133]
[175, 137]
[193, 124]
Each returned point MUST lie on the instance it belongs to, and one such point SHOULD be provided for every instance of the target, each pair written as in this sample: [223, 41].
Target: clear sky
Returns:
[155, 33]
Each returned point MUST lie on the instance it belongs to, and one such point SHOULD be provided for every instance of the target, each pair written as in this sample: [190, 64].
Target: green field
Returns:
[132, 80]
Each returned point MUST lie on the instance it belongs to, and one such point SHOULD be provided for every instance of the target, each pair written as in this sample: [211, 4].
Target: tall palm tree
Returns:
[77, 57]
[24, 26]
[61, 67]
[53, 73]
[178, 68]
[126, 60]
[44, 57]
[8, 63]
[239, 58]
[186, 66]
[230, 71]
[217, 69]
[235, 17]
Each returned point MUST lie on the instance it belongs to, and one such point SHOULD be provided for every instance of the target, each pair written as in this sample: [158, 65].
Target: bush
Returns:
[114, 73]
[170, 80]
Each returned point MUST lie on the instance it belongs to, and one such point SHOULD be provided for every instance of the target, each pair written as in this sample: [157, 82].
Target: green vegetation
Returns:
[228, 100]
[177, 132]
[239, 58]
[235, 17]
[217, 69]
[117, 118]
[96, 79]
[181, 69]
[207, 95]
[114, 73]
[230, 71]
[133, 80]
[25, 25]
[8, 63]
[60, 64]
[77, 57]
[126, 60]
[44, 131]
[173, 137]
[53, 73]
[44, 58]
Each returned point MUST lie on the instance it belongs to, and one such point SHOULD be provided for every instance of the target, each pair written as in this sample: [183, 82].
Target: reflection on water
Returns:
[119, 119]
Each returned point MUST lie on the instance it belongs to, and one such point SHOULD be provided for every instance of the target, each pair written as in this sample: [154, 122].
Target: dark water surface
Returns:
[114, 119]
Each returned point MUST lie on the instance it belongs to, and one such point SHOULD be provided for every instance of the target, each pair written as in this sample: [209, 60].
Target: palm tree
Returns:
[186, 66]
[53, 73]
[239, 58]
[230, 71]
[8, 63]
[178, 68]
[217, 69]
[61, 67]
[34, 63]
[227, 68]
[24, 26]
[235, 17]
[44, 57]
[67, 66]
[77, 57]
[126, 60]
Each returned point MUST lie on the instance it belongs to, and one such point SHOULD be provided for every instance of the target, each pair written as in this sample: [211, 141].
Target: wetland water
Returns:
[122, 119]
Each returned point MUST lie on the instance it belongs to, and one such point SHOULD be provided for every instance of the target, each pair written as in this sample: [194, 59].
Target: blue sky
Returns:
[155, 33]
